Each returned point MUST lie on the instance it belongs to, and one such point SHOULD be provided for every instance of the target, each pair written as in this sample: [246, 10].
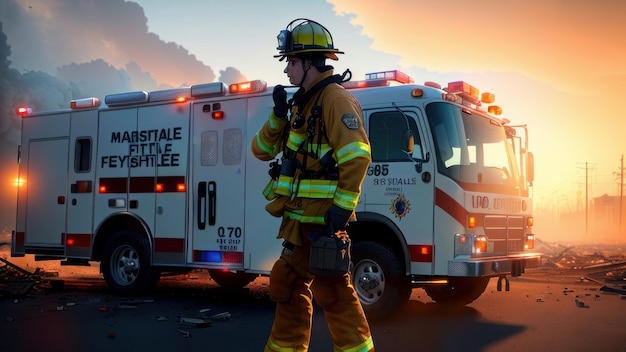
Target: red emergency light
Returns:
[24, 110]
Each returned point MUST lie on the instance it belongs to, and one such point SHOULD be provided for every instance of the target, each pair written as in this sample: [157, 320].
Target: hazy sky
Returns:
[558, 66]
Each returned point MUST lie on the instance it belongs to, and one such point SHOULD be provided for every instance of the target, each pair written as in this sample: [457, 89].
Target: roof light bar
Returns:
[465, 91]
[215, 89]
[248, 87]
[365, 84]
[393, 75]
[129, 98]
[85, 103]
[170, 94]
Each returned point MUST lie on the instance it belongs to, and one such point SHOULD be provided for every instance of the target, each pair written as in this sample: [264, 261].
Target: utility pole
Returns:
[620, 180]
[586, 199]
[621, 194]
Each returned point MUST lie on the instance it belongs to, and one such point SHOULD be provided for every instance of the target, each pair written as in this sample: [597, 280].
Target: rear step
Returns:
[75, 262]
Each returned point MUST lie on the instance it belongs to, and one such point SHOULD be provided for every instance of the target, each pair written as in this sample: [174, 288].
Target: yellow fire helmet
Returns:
[304, 36]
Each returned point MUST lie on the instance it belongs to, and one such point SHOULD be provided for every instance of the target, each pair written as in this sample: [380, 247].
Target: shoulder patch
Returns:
[351, 121]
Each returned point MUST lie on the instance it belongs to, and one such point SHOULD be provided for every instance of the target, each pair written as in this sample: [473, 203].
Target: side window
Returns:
[82, 155]
[233, 142]
[387, 136]
[208, 148]
[232, 147]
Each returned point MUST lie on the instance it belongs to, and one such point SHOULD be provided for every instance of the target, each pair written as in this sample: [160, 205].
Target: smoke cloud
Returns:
[53, 51]
[43, 36]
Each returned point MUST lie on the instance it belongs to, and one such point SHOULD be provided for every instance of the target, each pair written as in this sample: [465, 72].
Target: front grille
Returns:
[505, 234]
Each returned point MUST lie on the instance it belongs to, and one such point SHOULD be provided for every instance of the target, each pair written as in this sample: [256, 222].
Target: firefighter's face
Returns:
[294, 70]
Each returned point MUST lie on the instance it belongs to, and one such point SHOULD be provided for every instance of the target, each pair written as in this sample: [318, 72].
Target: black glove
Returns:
[337, 218]
[280, 101]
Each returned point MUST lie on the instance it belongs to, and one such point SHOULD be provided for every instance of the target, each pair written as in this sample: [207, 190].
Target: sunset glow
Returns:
[560, 70]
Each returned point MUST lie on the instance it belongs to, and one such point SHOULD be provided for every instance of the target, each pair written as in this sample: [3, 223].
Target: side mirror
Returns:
[408, 142]
[530, 168]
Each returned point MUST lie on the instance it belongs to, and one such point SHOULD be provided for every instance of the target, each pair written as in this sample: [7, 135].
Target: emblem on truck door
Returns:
[400, 206]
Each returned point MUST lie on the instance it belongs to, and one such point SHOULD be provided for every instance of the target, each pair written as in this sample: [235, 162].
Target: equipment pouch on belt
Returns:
[330, 253]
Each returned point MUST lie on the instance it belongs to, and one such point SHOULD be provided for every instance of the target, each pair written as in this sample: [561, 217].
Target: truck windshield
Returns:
[472, 149]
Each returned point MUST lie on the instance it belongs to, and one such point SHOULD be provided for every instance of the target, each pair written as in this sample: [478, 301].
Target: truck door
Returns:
[46, 182]
[399, 185]
[82, 170]
[218, 180]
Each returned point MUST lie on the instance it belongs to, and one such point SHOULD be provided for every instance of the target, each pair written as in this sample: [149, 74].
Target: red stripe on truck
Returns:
[169, 245]
[450, 206]
[141, 184]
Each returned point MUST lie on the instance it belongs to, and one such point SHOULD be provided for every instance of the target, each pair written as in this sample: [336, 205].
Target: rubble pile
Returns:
[18, 282]
[604, 264]
[581, 256]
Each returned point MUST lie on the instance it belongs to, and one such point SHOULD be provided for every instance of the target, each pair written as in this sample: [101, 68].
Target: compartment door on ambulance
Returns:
[158, 181]
[394, 187]
[218, 180]
[46, 182]
[82, 186]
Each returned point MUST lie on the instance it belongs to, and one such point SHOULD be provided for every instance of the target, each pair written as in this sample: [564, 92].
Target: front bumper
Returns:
[499, 266]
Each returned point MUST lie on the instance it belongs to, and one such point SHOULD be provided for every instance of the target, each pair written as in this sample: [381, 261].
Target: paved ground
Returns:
[550, 308]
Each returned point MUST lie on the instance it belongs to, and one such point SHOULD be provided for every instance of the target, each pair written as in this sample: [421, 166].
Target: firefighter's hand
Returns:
[337, 218]
[280, 101]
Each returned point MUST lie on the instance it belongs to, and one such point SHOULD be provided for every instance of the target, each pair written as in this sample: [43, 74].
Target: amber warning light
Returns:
[18, 182]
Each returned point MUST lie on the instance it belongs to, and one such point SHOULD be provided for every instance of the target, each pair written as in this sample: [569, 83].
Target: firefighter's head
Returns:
[306, 38]
[306, 44]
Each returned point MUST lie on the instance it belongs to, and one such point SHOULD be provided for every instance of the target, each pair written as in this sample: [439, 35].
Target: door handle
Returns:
[212, 202]
[201, 205]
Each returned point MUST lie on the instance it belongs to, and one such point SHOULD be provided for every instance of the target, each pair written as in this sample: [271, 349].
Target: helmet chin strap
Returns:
[306, 71]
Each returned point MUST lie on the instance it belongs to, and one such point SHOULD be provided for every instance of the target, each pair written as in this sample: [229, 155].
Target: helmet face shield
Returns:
[303, 36]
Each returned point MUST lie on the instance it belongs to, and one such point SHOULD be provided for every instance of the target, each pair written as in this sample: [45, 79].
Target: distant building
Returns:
[604, 217]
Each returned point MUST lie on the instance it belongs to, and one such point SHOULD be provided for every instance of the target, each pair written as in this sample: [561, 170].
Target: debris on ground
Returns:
[197, 322]
[613, 289]
[581, 304]
[609, 260]
[581, 256]
[16, 282]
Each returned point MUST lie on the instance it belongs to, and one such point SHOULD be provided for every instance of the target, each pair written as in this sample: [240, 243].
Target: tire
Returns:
[228, 279]
[458, 291]
[126, 264]
[379, 279]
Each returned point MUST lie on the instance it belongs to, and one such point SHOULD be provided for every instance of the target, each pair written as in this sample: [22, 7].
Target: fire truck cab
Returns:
[165, 180]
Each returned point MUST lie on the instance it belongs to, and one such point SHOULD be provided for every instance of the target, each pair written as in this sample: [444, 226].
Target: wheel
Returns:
[126, 264]
[379, 279]
[458, 291]
[228, 279]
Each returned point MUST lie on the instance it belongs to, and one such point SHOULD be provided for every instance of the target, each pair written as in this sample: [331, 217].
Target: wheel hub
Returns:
[368, 282]
[130, 266]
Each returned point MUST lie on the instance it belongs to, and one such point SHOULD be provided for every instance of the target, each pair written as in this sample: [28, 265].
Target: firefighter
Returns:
[314, 188]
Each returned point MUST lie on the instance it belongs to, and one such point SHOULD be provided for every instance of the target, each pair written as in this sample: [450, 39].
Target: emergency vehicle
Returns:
[164, 180]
